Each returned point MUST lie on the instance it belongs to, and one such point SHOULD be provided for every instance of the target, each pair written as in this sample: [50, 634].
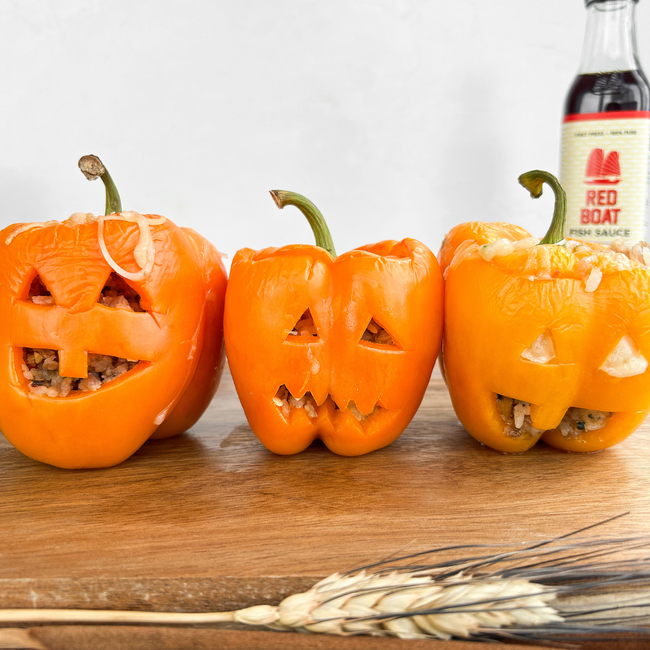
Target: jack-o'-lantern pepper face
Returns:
[334, 348]
[94, 360]
[544, 340]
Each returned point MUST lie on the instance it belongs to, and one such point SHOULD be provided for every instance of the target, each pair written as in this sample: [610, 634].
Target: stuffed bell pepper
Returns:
[337, 348]
[111, 330]
[545, 340]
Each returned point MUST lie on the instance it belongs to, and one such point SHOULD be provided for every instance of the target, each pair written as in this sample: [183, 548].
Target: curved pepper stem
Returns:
[93, 168]
[315, 218]
[533, 182]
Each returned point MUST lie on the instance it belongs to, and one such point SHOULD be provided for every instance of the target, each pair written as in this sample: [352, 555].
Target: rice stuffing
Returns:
[287, 403]
[305, 326]
[39, 293]
[576, 421]
[41, 367]
[375, 333]
[352, 407]
[497, 248]
[516, 415]
[592, 282]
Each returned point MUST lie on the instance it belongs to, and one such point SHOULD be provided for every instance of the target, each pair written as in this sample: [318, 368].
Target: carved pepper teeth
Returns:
[287, 403]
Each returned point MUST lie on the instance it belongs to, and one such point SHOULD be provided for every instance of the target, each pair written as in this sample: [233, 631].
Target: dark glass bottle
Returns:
[606, 133]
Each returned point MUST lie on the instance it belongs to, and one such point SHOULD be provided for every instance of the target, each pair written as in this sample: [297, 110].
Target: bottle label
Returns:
[604, 172]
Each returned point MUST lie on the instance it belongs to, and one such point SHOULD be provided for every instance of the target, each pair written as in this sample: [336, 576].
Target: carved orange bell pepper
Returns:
[337, 348]
[110, 331]
[545, 340]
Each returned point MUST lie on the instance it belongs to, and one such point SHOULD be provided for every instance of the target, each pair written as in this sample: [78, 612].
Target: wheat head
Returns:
[408, 606]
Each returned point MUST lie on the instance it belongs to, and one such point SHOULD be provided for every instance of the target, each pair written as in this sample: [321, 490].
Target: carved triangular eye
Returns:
[541, 350]
[304, 326]
[376, 333]
[625, 360]
[39, 294]
[119, 295]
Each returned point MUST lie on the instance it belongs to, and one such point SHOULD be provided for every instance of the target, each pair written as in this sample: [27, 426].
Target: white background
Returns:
[396, 117]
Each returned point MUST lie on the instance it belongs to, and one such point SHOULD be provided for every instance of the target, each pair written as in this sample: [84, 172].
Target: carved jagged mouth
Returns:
[288, 404]
[41, 368]
[576, 421]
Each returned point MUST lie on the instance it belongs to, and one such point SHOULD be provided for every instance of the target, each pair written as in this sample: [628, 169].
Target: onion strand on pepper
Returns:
[93, 168]
[313, 214]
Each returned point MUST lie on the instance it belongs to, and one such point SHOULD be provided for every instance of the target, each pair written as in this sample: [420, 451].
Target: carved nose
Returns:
[73, 363]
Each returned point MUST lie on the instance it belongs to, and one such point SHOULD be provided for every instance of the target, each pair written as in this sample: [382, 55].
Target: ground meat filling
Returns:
[39, 293]
[516, 415]
[375, 333]
[119, 295]
[41, 368]
[286, 402]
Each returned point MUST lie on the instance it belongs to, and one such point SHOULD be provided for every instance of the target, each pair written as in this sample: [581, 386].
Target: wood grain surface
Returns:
[137, 638]
[211, 520]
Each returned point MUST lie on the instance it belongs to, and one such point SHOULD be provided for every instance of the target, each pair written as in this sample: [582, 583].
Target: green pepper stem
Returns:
[315, 218]
[93, 168]
[533, 181]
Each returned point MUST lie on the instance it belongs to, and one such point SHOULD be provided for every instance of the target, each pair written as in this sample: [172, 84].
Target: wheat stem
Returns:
[103, 616]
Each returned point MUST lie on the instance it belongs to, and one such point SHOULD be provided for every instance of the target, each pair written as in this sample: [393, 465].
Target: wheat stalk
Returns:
[545, 591]
[360, 604]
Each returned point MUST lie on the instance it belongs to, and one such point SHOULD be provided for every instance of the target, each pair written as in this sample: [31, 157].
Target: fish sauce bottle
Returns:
[606, 131]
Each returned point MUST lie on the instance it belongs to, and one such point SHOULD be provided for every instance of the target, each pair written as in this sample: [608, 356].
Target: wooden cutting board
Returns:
[211, 520]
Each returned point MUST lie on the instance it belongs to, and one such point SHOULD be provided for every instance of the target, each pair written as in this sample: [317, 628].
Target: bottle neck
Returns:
[610, 41]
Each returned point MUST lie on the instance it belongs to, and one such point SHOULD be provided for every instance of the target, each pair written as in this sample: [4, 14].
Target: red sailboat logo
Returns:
[602, 169]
